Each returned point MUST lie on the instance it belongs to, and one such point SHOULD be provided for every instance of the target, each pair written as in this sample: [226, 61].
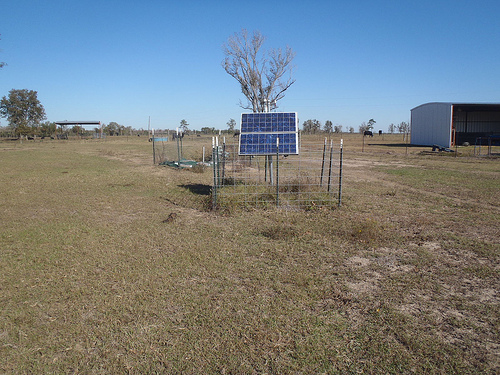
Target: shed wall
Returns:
[431, 124]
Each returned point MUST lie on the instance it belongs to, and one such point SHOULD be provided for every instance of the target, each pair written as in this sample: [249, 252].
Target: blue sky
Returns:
[126, 61]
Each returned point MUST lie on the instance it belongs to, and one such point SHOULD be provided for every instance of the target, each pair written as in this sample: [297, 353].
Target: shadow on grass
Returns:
[199, 189]
[394, 145]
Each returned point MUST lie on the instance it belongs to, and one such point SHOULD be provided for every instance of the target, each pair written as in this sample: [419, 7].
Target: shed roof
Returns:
[65, 122]
[467, 106]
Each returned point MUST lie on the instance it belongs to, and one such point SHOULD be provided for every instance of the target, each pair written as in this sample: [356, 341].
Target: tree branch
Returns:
[258, 73]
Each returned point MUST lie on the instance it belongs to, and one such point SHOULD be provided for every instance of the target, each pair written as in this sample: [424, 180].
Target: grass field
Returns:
[109, 264]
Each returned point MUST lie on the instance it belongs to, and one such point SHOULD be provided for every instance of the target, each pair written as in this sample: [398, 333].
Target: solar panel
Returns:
[259, 132]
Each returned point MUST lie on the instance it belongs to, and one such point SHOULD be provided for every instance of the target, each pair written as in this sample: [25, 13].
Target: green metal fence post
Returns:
[340, 171]
[322, 164]
[330, 167]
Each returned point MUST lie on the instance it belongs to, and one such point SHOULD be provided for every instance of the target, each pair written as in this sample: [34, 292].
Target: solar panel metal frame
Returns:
[259, 131]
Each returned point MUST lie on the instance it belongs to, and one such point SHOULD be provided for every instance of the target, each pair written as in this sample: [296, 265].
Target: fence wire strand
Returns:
[309, 180]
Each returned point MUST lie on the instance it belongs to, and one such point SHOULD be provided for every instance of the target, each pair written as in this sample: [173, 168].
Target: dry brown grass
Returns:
[109, 264]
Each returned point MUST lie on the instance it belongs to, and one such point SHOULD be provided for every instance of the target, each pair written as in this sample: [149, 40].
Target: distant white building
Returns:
[447, 124]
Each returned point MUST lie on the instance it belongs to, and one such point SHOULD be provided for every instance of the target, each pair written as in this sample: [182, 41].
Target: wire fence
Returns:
[312, 179]
[160, 148]
[487, 143]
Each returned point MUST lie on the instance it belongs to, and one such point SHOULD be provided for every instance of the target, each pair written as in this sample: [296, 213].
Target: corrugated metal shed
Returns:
[445, 124]
[431, 124]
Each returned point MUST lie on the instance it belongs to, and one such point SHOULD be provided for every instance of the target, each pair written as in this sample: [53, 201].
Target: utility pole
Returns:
[149, 127]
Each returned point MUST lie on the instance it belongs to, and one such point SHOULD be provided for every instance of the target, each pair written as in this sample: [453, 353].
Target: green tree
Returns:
[371, 123]
[231, 125]
[77, 129]
[404, 128]
[363, 127]
[47, 128]
[311, 126]
[6, 131]
[367, 126]
[23, 111]
[184, 126]
[264, 76]
[207, 130]
[111, 129]
[328, 126]
[337, 128]
[63, 129]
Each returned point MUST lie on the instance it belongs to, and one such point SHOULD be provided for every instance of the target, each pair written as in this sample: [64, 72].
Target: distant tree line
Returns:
[115, 129]
[314, 126]
[402, 127]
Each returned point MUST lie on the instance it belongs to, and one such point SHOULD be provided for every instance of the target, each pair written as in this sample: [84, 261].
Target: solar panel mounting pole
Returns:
[270, 168]
[265, 169]
[269, 158]
[277, 172]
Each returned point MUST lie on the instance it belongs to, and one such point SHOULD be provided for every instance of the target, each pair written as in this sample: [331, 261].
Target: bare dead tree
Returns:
[264, 76]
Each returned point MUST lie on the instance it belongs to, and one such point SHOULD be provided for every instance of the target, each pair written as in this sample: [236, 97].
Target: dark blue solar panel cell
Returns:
[259, 132]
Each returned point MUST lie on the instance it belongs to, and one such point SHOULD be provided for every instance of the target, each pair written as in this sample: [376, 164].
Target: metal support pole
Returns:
[270, 169]
[323, 164]
[217, 158]
[178, 149]
[277, 172]
[340, 171]
[330, 167]
[265, 168]
[223, 160]
[154, 153]
[182, 134]
[214, 190]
